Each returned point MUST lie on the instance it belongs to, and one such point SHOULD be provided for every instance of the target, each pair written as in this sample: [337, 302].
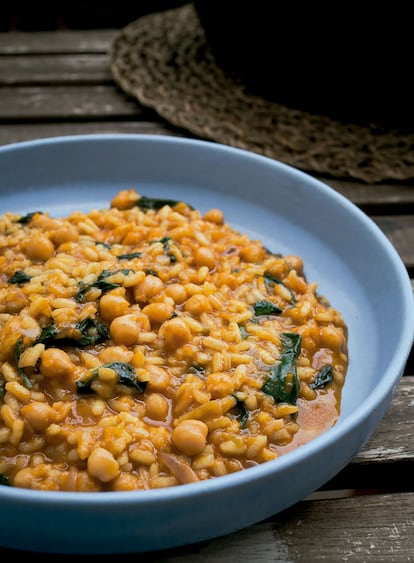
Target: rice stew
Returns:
[147, 345]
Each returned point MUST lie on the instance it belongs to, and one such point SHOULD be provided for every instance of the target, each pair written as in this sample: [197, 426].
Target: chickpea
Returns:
[177, 292]
[197, 304]
[125, 329]
[158, 312]
[38, 415]
[116, 354]
[56, 363]
[38, 247]
[112, 306]
[24, 478]
[102, 465]
[331, 337]
[156, 407]
[44, 221]
[295, 262]
[252, 253]
[175, 332]
[125, 199]
[190, 436]
[159, 378]
[64, 233]
[149, 287]
[205, 257]
[15, 300]
[215, 216]
[219, 384]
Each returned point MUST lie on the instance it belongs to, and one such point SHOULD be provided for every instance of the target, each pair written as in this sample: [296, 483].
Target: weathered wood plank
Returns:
[23, 104]
[55, 69]
[15, 133]
[400, 231]
[373, 528]
[62, 41]
[387, 459]
[394, 437]
[372, 196]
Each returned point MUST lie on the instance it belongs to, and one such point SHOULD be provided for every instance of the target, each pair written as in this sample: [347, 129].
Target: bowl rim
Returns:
[380, 395]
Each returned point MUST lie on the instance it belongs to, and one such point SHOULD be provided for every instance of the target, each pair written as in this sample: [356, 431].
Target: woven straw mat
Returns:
[164, 62]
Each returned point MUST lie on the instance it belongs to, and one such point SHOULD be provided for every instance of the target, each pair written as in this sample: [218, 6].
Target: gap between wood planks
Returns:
[346, 493]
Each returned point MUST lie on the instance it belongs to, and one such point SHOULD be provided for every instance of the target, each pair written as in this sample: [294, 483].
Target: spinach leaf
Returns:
[92, 332]
[270, 279]
[242, 413]
[243, 332]
[19, 277]
[17, 353]
[126, 376]
[196, 369]
[165, 241]
[24, 219]
[145, 203]
[4, 480]
[104, 244]
[283, 381]
[151, 273]
[266, 308]
[47, 334]
[129, 256]
[99, 283]
[276, 254]
[2, 390]
[322, 378]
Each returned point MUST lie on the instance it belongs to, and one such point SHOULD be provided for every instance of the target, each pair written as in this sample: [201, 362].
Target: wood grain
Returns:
[55, 69]
[28, 103]
[64, 41]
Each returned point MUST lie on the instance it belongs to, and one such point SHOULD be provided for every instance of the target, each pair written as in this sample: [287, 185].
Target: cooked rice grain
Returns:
[151, 346]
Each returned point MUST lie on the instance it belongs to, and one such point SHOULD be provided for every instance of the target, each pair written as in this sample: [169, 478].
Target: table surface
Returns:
[59, 83]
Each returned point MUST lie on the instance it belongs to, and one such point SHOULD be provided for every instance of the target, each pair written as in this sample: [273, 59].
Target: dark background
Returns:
[26, 15]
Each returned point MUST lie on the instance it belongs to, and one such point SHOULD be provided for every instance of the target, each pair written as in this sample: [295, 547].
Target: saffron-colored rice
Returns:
[147, 345]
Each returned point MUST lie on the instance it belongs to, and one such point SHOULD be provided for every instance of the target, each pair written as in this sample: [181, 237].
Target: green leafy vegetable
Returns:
[129, 256]
[283, 382]
[47, 334]
[165, 241]
[145, 203]
[4, 480]
[27, 218]
[91, 332]
[2, 390]
[270, 280]
[17, 353]
[243, 332]
[277, 254]
[104, 244]
[99, 283]
[151, 273]
[196, 369]
[19, 277]
[126, 376]
[242, 413]
[266, 308]
[322, 378]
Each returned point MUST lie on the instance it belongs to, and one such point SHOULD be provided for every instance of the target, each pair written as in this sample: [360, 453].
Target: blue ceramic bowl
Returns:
[352, 261]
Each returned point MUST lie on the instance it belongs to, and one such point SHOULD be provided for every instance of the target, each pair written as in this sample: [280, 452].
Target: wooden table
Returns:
[59, 83]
